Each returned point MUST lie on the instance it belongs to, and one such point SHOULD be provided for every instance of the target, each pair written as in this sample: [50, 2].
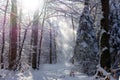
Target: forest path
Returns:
[55, 72]
[47, 72]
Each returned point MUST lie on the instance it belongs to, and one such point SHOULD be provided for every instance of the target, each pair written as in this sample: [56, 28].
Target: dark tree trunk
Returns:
[104, 42]
[19, 40]
[41, 36]
[40, 44]
[73, 26]
[86, 2]
[3, 35]
[22, 42]
[51, 54]
[34, 40]
[13, 36]
[55, 47]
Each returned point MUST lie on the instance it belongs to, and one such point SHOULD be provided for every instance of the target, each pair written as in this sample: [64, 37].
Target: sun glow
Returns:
[32, 5]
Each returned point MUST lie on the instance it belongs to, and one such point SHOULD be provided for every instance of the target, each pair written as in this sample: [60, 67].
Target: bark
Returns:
[13, 36]
[73, 26]
[23, 41]
[51, 54]
[40, 42]
[41, 36]
[3, 35]
[104, 42]
[55, 47]
[34, 40]
[86, 2]
[19, 39]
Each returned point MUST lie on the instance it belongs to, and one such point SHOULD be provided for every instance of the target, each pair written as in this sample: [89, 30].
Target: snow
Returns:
[104, 73]
[84, 44]
[46, 72]
[105, 48]
[102, 31]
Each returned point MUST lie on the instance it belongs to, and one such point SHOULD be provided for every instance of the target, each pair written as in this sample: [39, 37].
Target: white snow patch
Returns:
[84, 44]
[105, 48]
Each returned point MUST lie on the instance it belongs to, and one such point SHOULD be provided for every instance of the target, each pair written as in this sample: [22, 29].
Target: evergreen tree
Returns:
[86, 48]
[114, 31]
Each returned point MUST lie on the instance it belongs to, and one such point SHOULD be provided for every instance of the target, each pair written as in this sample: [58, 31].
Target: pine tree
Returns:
[114, 31]
[86, 47]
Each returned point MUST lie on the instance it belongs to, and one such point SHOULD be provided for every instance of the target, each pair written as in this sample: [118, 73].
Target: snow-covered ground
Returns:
[46, 72]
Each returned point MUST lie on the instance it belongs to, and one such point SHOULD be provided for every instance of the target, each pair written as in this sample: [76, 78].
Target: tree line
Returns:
[96, 42]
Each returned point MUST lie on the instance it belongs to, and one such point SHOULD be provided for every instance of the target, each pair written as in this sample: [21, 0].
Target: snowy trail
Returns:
[59, 72]
[48, 72]
[56, 72]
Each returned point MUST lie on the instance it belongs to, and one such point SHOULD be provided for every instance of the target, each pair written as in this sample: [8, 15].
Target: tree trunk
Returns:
[86, 2]
[51, 54]
[40, 44]
[55, 47]
[13, 36]
[19, 40]
[41, 35]
[73, 26]
[24, 37]
[104, 41]
[34, 40]
[3, 35]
